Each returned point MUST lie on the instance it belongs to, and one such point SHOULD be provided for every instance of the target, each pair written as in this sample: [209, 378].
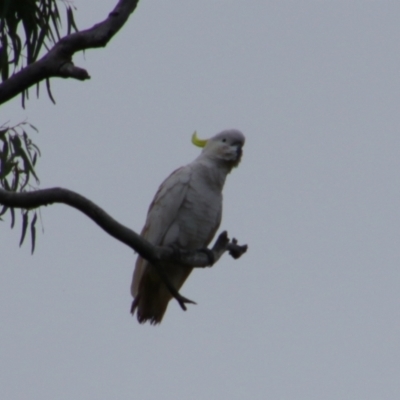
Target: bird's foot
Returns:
[183, 300]
[210, 255]
[236, 250]
[176, 252]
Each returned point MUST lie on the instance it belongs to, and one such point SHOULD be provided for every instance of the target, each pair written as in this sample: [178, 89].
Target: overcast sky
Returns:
[312, 311]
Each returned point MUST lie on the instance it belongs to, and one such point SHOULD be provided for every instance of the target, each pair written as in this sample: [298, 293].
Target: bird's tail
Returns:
[152, 298]
[151, 303]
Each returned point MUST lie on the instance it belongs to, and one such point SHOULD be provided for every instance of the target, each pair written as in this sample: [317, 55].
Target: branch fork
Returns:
[58, 61]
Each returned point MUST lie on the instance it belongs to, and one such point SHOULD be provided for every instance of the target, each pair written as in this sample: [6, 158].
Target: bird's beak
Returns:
[239, 152]
[198, 142]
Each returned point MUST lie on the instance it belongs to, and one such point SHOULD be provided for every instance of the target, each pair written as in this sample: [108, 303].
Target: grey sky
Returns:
[312, 311]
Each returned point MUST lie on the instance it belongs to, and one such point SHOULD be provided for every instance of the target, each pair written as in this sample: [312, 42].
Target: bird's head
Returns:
[225, 146]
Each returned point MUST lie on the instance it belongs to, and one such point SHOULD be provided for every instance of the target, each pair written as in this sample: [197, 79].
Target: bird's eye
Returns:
[224, 140]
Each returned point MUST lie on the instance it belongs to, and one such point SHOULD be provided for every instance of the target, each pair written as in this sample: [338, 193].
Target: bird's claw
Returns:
[210, 255]
[236, 250]
[176, 250]
[183, 300]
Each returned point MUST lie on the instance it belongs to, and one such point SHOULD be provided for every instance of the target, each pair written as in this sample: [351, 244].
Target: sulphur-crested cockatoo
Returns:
[186, 213]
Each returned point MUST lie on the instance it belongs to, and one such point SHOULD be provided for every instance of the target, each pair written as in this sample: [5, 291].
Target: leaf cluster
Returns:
[26, 27]
[18, 157]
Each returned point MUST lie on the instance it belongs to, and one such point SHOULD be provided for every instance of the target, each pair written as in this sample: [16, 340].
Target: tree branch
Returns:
[156, 255]
[58, 61]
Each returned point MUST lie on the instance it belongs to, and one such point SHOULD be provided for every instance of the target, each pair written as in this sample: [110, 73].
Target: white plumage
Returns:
[185, 212]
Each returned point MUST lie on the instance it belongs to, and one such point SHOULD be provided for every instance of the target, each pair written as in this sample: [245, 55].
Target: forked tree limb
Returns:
[156, 255]
[58, 61]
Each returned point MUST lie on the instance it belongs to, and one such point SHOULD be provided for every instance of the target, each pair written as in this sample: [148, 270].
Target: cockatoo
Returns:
[185, 213]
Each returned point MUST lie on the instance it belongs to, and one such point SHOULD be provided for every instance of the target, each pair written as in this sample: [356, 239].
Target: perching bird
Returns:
[186, 213]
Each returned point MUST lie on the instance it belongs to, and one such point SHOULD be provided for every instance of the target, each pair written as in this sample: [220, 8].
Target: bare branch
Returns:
[156, 255]
[58, 61]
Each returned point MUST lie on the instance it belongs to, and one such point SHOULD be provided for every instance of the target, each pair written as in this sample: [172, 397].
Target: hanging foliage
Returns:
[18, 156]
[26, 27]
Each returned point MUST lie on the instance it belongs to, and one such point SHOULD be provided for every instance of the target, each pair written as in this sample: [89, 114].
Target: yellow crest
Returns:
[198, 142]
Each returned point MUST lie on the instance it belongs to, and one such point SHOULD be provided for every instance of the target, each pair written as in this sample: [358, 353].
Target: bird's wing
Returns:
[162, 213]
[164, 208]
